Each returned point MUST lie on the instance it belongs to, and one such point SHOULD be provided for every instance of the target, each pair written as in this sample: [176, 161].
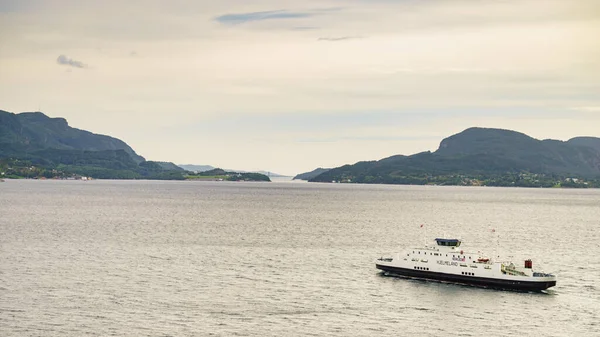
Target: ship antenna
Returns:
[497, 248]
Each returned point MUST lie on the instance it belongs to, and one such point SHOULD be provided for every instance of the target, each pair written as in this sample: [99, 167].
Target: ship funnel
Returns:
[528, 264]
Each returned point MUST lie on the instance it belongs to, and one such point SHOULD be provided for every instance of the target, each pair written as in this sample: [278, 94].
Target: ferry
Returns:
[447, 262]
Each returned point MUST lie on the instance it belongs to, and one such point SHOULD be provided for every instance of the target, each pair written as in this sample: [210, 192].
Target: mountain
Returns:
[518, 152]
[494, 155]
[266, 173]
[35, 130]
[168, 166]
[197, 168]
[204, 168]
[310, 175]
[35, 145]
[586, 141]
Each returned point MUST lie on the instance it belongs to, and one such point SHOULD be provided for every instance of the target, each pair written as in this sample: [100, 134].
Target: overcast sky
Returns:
[289, 85]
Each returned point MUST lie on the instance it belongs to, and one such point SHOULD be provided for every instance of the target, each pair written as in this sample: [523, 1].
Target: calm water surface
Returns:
[140, 258]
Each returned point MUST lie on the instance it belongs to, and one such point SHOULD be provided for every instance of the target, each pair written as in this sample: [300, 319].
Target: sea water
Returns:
[155, 258]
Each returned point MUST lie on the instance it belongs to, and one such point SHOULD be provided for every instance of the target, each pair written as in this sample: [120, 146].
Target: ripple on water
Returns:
[186, 259]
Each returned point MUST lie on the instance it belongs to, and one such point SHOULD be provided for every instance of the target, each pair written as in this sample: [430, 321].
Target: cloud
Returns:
[233, 19]
[364, 138]
[65, 61]
[304, 28]
[329, 9]
[587, 108]
[339, 38]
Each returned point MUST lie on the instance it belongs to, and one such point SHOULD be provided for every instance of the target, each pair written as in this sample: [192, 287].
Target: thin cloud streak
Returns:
[302, 28]
[587, 108]
[339, 38]
[233, 19]
[366, 139]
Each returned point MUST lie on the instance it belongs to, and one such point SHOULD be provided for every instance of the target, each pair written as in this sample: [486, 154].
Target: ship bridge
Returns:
[448, 242]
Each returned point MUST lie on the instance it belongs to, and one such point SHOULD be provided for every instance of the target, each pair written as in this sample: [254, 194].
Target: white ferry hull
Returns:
[485, 282]
[446, 262]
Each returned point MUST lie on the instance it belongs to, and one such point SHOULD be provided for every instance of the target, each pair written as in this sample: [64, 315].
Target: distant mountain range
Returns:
[35, 145]
[482, 156]
[196, 168]
[204, 168]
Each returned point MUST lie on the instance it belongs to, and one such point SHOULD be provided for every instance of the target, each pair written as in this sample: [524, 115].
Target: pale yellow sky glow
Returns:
[288, 86]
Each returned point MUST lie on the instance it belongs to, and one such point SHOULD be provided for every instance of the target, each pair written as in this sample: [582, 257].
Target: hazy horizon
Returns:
[289, 86]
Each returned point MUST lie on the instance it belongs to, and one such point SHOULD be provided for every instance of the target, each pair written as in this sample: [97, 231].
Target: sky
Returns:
[287, 86]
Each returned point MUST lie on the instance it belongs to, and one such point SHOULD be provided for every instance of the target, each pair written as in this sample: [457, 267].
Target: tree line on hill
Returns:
[35, 145]
[482, 157]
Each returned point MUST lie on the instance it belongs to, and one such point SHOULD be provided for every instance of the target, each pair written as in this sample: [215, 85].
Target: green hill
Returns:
[33, 144]
[220, 174]
[592, 142]
[311, 174]
[35, 130]
[166, 165]
[482, 156]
